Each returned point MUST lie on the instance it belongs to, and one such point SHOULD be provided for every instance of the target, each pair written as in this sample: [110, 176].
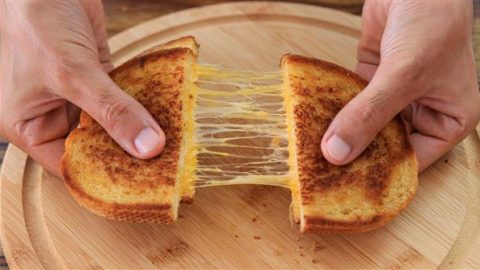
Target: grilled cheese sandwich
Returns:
[228, 127]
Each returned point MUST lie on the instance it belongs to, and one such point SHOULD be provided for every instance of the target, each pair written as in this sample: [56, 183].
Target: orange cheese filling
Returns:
[239, 129]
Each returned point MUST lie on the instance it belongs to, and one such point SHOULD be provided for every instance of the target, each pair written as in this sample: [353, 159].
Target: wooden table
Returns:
[122, 14]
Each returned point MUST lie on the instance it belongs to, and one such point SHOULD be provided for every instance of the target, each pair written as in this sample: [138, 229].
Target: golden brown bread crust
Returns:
[187, 41]
[328, 226]
[321, 89]
[119, 212]
[93, 160]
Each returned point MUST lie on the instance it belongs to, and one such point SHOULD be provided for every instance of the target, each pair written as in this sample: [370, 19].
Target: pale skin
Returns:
[55, 59]
[418, 57]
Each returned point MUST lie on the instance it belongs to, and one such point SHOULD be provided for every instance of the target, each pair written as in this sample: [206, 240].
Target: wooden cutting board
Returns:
[242, 226]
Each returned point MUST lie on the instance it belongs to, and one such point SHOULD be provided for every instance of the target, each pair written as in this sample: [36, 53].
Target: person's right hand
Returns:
[54, 57]
[419, 65]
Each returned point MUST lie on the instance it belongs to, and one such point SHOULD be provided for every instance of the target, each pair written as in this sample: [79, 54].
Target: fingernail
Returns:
[338, 148]
[146, 140]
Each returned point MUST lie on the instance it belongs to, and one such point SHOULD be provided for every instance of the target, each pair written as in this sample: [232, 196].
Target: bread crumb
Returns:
[317, 247]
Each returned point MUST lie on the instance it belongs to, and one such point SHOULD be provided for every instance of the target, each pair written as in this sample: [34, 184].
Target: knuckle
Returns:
[29, 140]
[462, 130]
[112, 111]
[457, 135]
[70, 72]
[367, 116]
[459, 129]
[65, 73]
[26, 134]
[409, 70]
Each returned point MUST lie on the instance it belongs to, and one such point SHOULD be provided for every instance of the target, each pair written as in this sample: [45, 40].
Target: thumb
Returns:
[123, 117]
[357, 124]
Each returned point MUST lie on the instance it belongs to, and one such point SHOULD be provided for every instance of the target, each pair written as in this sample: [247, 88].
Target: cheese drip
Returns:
[240, 128]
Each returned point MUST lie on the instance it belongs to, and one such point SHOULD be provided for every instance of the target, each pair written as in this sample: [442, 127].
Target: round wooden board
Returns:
[242, 226]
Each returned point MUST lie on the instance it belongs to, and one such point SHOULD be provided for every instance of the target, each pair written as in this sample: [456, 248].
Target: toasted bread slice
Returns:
[106, 179]
[357, 197]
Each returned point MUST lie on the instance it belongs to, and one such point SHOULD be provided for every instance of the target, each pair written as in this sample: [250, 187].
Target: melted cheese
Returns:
[240, 135]
[188, 152]
[289, 99]
[239, 130]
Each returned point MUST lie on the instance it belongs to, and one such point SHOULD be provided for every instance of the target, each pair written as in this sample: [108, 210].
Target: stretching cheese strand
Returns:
[240, 131]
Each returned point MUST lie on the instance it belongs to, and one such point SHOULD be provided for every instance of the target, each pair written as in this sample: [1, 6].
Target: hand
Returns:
[54, 57]
[419, 59]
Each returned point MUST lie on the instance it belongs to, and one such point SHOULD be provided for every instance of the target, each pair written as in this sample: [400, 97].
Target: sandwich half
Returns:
[107, 180]
[360, 196]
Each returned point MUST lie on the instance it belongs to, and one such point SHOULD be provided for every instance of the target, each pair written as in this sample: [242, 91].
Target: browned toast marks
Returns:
[106, 179]
[363, 194]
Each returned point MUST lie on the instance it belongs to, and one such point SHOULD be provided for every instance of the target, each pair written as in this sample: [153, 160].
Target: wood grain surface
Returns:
[122, 14]
[247, 226]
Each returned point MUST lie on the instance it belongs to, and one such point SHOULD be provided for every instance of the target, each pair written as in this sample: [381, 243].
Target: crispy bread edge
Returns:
[341, 71]
[119, 212]
[327, 226]
[183, 42]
